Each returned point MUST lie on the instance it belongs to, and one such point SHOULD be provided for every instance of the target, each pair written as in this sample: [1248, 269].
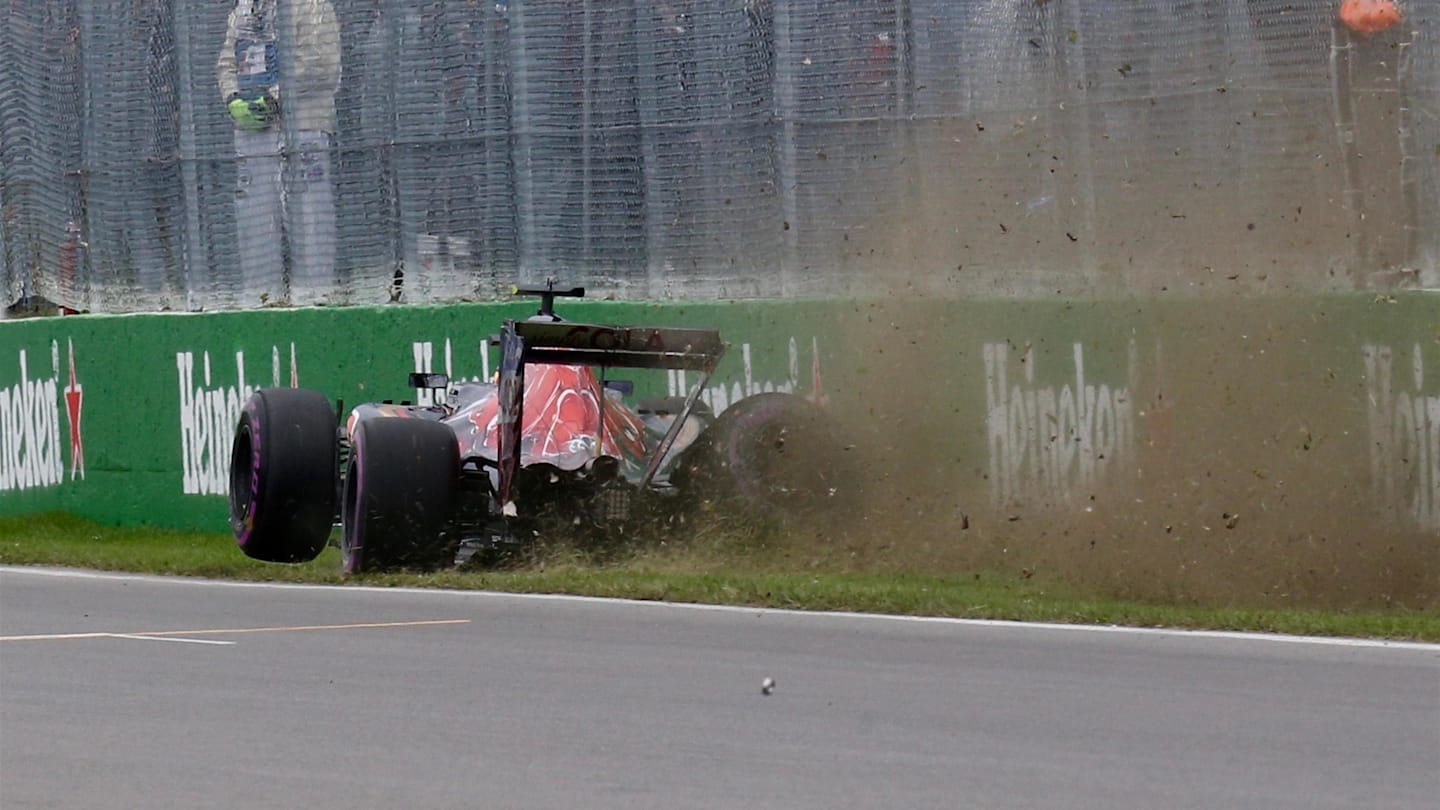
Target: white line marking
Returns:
[142, 637]
[180, 635]
[132, 636]
[1229, 635]
[54, 636]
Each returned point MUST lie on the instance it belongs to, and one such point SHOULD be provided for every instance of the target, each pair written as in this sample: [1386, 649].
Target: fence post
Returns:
[786, 113]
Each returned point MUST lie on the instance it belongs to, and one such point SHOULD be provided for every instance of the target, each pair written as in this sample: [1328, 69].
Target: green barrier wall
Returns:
[996, 411]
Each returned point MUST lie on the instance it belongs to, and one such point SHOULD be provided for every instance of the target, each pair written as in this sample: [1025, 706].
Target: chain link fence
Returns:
[732, 148]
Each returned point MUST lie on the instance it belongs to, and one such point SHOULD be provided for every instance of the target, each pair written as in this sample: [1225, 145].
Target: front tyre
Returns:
[282, 475]
[399, 491]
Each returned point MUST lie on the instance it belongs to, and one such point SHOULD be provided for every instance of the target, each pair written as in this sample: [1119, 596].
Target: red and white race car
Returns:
[550, 443]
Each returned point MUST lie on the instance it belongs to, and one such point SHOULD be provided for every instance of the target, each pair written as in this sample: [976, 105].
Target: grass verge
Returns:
[699, 575]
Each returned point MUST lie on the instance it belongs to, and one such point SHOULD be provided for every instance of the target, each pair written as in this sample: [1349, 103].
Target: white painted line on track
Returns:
[142, 637]
[1229, 635]
[129, 636]
[184, 635]
[54, 636]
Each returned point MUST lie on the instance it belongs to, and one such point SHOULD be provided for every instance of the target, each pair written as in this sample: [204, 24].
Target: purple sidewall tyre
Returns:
[282, 475]
[400, 489]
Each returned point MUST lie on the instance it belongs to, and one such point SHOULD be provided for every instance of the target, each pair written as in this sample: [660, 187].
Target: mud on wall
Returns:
[1265, 451]
[1275, 448]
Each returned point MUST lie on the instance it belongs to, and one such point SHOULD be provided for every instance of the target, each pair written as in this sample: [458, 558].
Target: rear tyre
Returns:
[772, 455]
[399, 492]
[282, 475]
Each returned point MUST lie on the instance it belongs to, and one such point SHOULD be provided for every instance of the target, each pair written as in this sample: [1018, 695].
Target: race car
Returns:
[550, 443]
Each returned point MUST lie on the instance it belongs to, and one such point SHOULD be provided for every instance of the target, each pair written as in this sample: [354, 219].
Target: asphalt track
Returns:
[151, 692]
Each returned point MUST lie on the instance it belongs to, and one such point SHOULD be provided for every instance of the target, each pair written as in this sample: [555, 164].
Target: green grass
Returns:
[713, 572]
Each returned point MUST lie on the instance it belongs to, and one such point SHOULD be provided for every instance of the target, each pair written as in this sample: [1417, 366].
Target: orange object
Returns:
[1369, 16]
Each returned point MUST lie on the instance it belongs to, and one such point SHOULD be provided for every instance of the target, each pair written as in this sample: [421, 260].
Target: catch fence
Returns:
[735, 148]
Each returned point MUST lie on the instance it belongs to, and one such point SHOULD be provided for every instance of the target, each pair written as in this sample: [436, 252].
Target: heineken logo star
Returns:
[74, 400]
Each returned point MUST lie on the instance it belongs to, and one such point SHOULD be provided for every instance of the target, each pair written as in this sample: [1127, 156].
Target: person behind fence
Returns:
[279, 70]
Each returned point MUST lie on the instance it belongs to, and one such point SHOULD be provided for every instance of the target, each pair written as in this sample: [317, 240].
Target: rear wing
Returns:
[585, 344]
[527, 342]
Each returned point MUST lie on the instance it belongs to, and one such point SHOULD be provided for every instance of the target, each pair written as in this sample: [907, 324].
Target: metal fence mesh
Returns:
[748, 148]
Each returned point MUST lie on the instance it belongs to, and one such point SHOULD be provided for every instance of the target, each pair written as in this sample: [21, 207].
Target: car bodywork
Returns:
[550, 438]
